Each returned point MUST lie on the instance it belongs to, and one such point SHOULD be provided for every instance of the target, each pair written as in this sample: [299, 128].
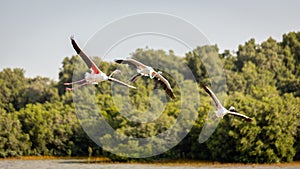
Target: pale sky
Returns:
[35, 34]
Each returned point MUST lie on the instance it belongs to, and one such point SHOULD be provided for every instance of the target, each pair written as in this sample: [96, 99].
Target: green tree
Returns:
[13, 141]
[39, 90]
[12, 83]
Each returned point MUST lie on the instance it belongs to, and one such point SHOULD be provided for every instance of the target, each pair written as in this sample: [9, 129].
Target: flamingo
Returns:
[222, 111]
[96, 76]
[144, 70]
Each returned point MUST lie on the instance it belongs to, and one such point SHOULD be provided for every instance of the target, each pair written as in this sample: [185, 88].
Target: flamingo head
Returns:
[153, 73]
[231, 108]
[117, 71]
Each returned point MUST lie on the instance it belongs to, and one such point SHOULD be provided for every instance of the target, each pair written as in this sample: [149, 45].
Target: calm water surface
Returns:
[80, 164]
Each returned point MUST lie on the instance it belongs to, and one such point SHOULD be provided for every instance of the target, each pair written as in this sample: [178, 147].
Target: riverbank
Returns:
[105, 160]
[55, 163]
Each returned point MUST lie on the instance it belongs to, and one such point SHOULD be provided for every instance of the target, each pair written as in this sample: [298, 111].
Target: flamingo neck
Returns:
[152, 74]
[114, 72]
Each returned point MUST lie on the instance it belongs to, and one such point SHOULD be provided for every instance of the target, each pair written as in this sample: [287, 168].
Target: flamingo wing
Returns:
[240, 115]
[85, 57]
[120, 82]
[166, 85]
[212, 95]
[133, 78]
[131, 62]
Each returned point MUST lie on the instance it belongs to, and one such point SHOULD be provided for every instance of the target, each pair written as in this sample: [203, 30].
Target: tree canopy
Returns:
[39, 117]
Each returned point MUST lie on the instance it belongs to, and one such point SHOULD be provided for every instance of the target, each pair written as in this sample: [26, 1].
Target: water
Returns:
[81, 164]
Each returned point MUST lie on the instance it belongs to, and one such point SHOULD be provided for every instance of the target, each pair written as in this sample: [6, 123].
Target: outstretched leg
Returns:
[79, 81]
[73, 88]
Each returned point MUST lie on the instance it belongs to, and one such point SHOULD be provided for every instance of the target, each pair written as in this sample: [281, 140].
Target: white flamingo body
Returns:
[222, 111]
[144, 70]
[96, 76]
[147, 71]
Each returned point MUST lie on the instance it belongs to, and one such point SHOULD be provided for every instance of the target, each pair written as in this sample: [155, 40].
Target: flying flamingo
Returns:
[221, 110]
[96, 76]
[148, 71]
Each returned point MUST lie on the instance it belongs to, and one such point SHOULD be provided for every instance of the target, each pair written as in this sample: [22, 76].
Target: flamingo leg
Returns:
[74, 88]
[79, 81]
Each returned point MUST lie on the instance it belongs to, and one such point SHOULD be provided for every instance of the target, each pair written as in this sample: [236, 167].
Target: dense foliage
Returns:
[37, 115]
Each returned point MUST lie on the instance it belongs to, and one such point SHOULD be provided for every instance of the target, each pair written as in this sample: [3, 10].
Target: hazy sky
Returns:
[35, 34]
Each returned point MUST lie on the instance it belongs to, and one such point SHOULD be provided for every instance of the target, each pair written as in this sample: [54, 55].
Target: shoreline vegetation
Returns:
[39, 119]
[181, 162]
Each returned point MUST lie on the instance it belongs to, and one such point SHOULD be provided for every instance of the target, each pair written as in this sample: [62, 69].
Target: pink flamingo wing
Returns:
[85, 57]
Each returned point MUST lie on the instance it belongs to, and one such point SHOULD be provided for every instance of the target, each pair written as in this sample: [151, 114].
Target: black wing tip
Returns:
[170, 93]
[74, 44]
[72, 37]
[203, 86]
[249, 120]
[119, 61]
